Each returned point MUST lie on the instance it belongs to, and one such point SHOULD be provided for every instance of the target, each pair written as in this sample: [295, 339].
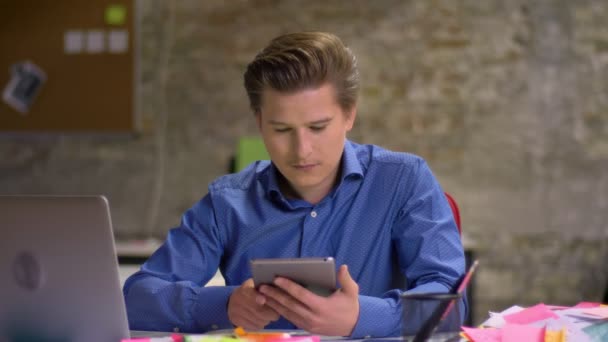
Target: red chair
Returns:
[455, 211]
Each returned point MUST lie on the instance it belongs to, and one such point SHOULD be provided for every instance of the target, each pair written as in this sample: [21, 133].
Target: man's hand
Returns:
[247, 309]
[335, 315]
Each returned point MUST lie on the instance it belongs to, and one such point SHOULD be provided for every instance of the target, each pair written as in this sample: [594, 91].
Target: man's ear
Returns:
[351, 115]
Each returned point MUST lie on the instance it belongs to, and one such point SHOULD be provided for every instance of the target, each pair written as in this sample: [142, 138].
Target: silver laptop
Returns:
[59, 277]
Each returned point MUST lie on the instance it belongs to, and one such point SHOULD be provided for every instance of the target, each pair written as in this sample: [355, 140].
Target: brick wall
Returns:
[507, 100]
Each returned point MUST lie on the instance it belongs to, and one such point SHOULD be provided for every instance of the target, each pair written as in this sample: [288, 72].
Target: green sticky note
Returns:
[116, 14]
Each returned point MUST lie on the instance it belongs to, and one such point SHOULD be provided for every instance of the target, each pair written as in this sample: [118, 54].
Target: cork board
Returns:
[87, 51]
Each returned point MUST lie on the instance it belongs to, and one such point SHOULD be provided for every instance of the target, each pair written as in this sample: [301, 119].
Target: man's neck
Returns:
[310, 195]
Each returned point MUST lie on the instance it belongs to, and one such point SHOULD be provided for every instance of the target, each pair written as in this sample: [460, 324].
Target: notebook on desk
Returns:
[59, 270]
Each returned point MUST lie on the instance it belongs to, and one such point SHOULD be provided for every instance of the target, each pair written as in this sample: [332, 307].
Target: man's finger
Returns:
[268, 313]
[286, 305]
[296, 291]
[286, 312]
[248, 322]
[260, 299]
[348, 284]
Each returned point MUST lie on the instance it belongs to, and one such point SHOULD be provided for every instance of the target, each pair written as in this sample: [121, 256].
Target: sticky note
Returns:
[555, 335]
[532, 314]
[173, 338]
[597, 331]
[210, 338]
[482, 335]
[118, 41]
[518, 333]
[312, 338]
[95, 41]
[600, 312]
[73, 42]
[116, 14]
[586, 305]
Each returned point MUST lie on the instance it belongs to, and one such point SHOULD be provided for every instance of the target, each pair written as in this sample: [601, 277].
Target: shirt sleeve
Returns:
[430, 252]
[169, 292]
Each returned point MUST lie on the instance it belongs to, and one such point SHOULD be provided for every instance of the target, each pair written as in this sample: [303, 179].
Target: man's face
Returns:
[304, 133]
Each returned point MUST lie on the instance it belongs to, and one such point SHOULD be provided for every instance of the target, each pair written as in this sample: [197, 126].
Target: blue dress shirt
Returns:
[387, 219]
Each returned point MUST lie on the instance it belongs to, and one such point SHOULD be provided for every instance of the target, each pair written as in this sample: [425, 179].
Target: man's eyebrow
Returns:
[316, 122]
[322, 121]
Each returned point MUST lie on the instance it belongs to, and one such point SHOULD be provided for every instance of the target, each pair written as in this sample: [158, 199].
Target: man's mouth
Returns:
[304, 166]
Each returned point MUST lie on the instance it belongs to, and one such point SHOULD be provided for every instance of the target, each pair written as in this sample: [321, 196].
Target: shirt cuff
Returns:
[378, 317]
[211, 309]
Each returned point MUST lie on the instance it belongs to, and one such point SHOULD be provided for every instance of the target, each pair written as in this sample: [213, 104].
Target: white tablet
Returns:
[318, 275]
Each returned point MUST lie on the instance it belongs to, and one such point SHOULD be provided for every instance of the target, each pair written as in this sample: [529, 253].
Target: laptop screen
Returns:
[59, 270]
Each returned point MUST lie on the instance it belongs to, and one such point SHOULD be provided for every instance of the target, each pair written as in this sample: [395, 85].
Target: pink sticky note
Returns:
[585, 305]
[518, 333]
[600, 312]
[312, 338]
[532, 314]
[482, 335]
[557, 307]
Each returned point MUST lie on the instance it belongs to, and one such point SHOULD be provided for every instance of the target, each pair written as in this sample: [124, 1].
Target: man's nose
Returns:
[303, 144]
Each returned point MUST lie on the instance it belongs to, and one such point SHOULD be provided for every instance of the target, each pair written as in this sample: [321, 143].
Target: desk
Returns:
[441, 337]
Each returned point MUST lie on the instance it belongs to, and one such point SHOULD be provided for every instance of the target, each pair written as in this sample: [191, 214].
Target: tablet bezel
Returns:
[317, 274]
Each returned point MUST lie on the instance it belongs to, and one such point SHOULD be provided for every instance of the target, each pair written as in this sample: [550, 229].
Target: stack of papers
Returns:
[584, 322]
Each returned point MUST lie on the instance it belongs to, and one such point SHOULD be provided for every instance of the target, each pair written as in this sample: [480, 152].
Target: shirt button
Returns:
[313, 214]
[214, 327]
[176, 329]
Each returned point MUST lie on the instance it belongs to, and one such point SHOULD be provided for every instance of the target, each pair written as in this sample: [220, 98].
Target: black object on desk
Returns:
[444, 307]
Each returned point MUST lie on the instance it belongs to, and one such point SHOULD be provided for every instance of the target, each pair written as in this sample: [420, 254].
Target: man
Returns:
[380, 214]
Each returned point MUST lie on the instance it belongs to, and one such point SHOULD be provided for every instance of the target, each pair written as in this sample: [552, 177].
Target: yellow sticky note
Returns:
[555, 336]
[116, 14]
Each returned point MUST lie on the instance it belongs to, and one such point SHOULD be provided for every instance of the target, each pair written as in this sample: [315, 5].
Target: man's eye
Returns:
[281, 130]
[317, 128]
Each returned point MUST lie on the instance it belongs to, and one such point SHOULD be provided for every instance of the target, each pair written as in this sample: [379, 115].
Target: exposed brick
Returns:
[507, 100]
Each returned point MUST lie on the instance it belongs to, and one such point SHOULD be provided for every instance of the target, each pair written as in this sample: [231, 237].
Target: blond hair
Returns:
[298, 61]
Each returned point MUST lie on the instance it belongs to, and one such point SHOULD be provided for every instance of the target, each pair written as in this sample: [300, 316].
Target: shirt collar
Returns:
[351, 167]
[350, 163]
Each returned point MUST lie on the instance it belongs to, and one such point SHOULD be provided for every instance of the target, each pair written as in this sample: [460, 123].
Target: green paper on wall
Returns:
[116, 14]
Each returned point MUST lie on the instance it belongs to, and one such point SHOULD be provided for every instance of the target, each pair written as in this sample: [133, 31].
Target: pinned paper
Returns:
[73, 42]
[95, 41]
[118, 41]
[24, 85]
[532, 314]
[116, 14]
